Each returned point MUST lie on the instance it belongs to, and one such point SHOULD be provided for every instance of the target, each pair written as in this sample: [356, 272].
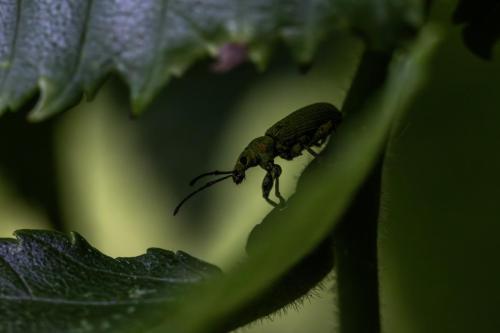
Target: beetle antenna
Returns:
[213, 173]
[176, 210]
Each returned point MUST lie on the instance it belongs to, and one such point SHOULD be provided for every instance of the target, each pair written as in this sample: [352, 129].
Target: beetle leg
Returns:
[267, 186]
[272, 178]
[296, 149]
[276, 173]
[312, 152]
[323, 132]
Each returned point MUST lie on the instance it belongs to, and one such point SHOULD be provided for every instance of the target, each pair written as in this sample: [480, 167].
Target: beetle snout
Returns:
[238, 176]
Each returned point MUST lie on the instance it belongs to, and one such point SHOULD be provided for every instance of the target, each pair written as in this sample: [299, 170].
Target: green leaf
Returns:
[65, 48]
[323, 193]
[50, 282]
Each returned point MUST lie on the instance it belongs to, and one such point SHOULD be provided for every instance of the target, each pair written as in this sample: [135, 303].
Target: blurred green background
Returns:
[116, 180]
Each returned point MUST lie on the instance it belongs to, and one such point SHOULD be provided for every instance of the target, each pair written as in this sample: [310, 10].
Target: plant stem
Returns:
[355, 239]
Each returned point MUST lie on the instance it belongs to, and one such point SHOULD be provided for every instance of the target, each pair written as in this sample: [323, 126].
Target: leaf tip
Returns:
[139, 104]
[42, 111]
[52, 100]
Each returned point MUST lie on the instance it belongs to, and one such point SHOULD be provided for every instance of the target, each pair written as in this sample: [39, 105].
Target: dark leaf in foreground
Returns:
[50, 282]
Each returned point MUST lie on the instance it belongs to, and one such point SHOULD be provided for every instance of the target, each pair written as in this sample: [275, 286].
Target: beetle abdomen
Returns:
[304, 123]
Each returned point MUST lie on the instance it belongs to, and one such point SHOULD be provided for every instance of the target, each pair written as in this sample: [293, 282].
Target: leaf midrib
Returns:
[63, 301]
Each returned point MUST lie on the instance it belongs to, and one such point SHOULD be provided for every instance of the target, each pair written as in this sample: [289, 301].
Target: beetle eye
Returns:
[243, 160]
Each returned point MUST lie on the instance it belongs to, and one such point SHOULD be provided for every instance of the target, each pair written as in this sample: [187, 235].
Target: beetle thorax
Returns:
[261, 150]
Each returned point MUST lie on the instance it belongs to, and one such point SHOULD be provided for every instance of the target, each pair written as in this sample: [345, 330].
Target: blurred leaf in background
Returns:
[28, 173]
[439, 229]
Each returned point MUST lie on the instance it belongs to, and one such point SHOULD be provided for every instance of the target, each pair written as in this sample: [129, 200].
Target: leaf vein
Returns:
[23, 281]
[128, 275]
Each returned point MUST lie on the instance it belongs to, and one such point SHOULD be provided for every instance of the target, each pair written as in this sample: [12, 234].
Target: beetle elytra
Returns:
[307, 127]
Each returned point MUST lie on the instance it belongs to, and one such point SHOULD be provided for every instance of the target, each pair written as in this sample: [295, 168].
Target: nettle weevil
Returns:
[307, 127]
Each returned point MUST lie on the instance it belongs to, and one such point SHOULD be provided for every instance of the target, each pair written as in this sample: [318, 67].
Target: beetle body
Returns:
[307, 127]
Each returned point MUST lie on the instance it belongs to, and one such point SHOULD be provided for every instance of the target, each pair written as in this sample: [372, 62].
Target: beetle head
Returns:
[245, 161]
[259, 150]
